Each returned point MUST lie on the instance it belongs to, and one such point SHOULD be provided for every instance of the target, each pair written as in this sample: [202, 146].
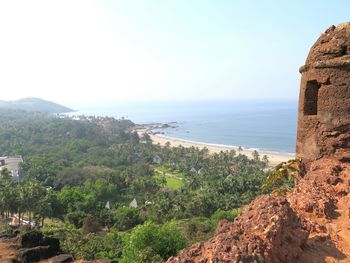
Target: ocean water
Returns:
[261, 125]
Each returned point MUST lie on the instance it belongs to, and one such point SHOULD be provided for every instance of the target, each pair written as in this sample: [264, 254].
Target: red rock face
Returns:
[268, 231]
[310, 225]
[324, 101]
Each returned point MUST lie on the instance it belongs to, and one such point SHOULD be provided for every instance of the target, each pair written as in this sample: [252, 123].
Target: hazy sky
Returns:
[78, 51]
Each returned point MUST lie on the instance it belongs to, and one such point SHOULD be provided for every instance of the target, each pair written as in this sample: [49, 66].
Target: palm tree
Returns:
[5, 173]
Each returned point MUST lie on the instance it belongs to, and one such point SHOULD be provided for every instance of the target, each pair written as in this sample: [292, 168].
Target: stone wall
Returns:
[324, 101]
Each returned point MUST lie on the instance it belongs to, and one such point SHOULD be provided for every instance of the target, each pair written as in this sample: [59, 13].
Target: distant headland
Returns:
[34, 104]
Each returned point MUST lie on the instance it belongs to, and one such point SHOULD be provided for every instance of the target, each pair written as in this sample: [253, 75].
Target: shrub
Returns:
[197, 229]
[93, 246]
[126, 218]
[91, 225]
[221, 214]
[164, 241]
[113, 246]
[76, 218]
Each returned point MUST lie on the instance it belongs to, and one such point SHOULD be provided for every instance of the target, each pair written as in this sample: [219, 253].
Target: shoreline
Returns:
[274, 157]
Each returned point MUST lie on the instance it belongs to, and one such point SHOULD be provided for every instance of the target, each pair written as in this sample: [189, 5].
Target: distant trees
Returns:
[126, 218]
[74, 167]
[146, 138]
[50, 143]
[25, 197]
[5, 173]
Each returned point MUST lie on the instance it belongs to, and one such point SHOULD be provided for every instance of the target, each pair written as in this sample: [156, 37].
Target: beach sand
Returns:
[274, 158]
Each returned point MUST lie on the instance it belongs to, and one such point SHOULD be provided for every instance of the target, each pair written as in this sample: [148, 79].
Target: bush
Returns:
[164, 241]
[93, 246]
[148, 256]
[221, 214]
[91, 225]
[126, 218]
[197, 229]
[76, 218]
[113, 246]
[5, 227]
[82, 246]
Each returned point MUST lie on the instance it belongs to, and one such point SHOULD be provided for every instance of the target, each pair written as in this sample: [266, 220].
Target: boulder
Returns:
[30, 239]
[35, 246]
[34, 254]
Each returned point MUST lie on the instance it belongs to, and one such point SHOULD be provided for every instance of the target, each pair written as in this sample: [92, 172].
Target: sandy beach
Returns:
[274, 158]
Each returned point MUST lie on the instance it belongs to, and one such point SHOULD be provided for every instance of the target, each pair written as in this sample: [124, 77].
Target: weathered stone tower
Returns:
[324, 100]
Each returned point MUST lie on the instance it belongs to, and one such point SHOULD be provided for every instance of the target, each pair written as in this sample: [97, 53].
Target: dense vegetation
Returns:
[82, 174]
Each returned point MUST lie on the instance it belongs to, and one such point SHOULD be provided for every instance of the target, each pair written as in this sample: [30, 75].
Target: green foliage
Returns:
[49, 143]
[56, 228]
[5, 173]
[174, 179]
[165, 241]
[74, 166]
[173, 183]
[126, 218]
[284, 176]
[113, 246]
[148, 256]
[76, 218]
[91, 225]
[93, 246]
[221, 214]
[197, 229]
[4, 227]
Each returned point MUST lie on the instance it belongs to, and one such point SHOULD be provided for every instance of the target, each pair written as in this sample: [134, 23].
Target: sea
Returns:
[261, 125]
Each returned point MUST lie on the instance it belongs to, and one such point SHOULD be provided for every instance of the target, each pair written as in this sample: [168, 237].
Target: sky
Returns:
[84, 51]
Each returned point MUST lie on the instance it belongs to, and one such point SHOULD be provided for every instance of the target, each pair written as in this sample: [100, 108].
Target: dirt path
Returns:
[334, 246]
[7, 251]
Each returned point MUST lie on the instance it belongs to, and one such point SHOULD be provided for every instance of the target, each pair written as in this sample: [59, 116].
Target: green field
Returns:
[174, 179]
[173, 183]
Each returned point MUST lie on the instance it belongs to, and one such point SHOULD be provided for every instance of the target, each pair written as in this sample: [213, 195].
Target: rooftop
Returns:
[11, 163]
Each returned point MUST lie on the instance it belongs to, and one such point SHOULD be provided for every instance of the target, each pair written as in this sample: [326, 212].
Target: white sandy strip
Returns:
[274, 158]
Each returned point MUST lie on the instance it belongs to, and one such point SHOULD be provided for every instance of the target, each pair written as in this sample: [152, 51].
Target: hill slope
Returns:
[34, 104]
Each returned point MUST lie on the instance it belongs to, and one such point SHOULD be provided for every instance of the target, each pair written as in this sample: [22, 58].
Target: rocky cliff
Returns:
[311, 224]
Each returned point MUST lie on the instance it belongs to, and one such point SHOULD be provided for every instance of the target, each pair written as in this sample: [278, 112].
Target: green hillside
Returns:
[34, 104]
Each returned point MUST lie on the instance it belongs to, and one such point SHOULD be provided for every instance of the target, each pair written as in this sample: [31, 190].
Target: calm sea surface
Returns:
[264, 125]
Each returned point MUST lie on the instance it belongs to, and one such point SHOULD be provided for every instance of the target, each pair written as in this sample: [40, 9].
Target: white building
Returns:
[157, 159]
[133, 203]
[12, 164]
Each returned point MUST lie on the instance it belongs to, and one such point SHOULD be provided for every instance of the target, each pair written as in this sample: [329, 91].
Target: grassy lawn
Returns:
[173, 183]
[174, 179]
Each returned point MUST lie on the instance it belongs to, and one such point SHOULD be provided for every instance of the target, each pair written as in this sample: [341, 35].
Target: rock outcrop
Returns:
[31, 246]
[312, 224]
[268, 231]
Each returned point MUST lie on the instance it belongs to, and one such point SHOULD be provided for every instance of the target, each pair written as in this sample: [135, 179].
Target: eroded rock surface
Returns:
[324, 100]
[311, 225]
[268, 231]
